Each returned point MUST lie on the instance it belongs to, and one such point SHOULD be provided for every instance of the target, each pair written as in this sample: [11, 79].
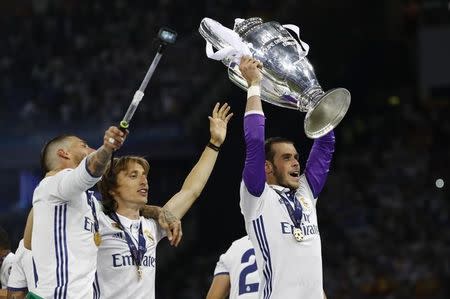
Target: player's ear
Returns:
[62, 154]
[268, 167]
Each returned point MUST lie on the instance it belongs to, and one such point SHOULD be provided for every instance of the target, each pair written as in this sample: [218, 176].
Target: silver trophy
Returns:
[288, 78]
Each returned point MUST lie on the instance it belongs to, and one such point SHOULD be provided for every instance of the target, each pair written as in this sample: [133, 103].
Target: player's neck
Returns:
[53, 172]
[129, 212]
[59, 168]
[270, 180]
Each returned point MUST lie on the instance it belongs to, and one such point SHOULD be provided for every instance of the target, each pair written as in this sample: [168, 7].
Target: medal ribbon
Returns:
[94, 211]
[295, 214]
[136, 253]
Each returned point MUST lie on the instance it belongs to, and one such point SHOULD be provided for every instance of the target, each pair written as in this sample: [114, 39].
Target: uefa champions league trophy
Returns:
[288, 78]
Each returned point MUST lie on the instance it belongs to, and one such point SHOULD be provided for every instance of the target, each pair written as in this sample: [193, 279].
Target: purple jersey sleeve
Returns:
[318, 163]
[254, 175]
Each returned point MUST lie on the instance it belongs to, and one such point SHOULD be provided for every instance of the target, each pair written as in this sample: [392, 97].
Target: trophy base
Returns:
[327, 113]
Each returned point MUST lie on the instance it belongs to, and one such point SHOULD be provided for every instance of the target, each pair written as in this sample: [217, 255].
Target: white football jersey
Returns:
[63, 225]
[288, 268]
[239, 262]
[5, 270]
[117, 275]
[23, 274]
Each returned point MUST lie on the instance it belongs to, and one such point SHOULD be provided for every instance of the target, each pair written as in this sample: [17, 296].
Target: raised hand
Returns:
[99, 160]
[250, 70]
[218, 123]
[114, 138]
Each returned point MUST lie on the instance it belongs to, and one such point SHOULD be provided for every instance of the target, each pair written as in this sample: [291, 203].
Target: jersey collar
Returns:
[280, 188]
[127, 222]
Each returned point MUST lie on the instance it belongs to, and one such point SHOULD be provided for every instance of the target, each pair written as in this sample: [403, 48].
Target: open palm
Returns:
[218, 123]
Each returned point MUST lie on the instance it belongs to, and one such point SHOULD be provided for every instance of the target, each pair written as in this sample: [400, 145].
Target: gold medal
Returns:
[139, 273]
[97, 239]
[298, 234]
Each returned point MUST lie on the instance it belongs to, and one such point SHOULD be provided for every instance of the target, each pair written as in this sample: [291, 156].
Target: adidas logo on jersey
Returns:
[119, 236]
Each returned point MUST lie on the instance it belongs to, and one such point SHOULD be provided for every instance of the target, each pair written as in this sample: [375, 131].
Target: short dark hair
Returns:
[268, 146]
[45, 163]
[4, 239]
[109, 179]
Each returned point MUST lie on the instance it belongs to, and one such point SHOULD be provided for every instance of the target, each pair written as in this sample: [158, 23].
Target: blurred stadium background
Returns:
[73, 66]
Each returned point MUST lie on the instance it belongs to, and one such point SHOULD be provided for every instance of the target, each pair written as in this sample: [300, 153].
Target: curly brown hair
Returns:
[109, 179]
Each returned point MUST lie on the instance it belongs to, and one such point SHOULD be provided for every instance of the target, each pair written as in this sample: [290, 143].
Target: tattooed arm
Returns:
[169, 222]
[149, 211]
[70, 183]
[98, 161]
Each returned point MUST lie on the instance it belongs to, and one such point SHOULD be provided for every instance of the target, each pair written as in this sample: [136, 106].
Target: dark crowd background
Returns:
[73, 66]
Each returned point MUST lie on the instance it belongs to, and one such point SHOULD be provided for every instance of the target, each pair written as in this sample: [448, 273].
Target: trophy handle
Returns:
[303, 50]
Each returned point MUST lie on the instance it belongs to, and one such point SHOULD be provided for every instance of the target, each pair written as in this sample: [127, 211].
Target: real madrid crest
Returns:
[306, 205]
[149, 236]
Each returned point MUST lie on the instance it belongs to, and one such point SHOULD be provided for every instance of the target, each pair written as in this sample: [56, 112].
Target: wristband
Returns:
[253, 90]
[213, 146]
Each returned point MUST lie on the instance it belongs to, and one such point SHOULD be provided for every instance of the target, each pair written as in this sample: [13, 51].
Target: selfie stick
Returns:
[165, 36]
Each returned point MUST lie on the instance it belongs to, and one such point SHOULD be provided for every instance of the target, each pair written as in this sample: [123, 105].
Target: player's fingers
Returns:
[222, 109]
[113, 142]
[244, 59]
[125, 133]
[227, 119]
[175, 231]
[119, 136]
[169, 234]
[180, 235]
[215, 110]
[249, 61]
[225, 113]
[116, 131]
[118, 139]
[114, 137]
